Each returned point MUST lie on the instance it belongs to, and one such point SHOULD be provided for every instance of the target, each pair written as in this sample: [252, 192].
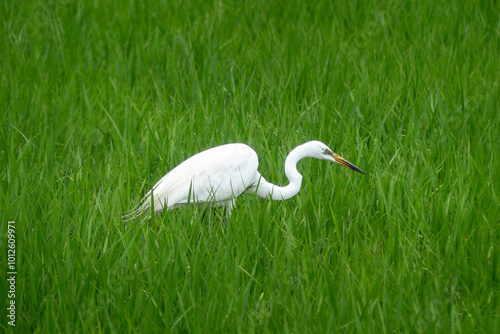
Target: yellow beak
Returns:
[345, 163]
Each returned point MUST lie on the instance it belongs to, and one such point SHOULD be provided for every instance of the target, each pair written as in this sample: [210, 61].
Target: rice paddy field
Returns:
[99, 99]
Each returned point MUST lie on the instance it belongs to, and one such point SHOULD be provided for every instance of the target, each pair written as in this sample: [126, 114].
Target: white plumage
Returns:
[220, 174]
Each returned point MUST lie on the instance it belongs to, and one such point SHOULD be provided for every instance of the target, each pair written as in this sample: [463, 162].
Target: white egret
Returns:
[219, 175]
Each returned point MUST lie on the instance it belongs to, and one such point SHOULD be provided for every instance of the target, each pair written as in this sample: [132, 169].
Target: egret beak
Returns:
[345, 163]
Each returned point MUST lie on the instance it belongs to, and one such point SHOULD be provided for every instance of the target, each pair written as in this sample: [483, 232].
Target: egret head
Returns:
[321, 151]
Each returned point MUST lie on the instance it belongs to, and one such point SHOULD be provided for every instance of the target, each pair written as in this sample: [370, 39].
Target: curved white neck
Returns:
[271, 191]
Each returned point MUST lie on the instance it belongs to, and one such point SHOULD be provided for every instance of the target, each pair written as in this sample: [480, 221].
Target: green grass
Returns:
[99, 99]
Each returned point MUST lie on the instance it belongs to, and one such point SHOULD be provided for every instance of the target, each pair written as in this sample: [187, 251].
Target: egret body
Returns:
[220, 174]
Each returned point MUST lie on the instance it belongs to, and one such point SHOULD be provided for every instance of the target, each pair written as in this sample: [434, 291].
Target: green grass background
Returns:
[99, 99]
